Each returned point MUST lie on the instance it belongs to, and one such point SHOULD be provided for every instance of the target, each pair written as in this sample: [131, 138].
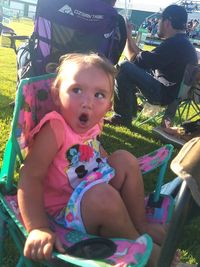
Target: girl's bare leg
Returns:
[129, 183]
[105, 214]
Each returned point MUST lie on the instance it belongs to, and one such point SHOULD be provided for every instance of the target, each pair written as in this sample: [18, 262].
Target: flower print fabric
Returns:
[84, 159]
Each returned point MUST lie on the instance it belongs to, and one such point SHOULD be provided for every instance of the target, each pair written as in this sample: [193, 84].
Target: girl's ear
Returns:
[55, 96]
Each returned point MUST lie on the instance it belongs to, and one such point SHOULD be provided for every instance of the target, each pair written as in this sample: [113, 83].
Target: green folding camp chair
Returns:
[183, 108]
[33, 101]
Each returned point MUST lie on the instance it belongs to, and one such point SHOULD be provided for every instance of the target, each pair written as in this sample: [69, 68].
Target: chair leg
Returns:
[196, 109]
[181, 214]
[20, 262]
[149, 112]
[2, 236]
[16, 237]
[170, 110]
[3, 232]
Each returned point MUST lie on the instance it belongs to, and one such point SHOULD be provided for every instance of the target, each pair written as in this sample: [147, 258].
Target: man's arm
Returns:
[131, 49]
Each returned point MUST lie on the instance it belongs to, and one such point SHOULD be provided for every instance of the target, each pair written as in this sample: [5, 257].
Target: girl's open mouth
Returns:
[83, 118]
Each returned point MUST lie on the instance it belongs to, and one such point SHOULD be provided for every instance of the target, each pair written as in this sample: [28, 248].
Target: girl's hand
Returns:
[40, 243]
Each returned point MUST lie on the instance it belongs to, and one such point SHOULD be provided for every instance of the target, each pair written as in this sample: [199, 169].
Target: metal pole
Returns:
[182, 213]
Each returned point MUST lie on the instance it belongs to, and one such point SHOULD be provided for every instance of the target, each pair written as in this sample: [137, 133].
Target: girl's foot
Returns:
[176, 258]
[155, 256]
[155, 230]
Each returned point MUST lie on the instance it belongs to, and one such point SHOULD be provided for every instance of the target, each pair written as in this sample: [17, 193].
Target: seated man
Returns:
[158, 73]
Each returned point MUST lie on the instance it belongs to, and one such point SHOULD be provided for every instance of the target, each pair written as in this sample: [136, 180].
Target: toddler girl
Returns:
[69, 177]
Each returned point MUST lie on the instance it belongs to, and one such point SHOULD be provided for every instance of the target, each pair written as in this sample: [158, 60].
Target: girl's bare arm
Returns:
[41, 239]
[32, 174]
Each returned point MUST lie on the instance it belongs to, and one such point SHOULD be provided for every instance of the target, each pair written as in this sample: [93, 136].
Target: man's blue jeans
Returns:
[129, 78]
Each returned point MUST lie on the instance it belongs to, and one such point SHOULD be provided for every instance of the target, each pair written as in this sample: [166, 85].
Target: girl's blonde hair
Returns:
[91, 59]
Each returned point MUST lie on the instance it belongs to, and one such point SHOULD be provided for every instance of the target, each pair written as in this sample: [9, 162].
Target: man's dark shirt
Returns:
[119, 40]
[168, 61]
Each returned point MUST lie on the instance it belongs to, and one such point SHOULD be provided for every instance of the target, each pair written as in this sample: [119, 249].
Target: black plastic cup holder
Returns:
[93, 248]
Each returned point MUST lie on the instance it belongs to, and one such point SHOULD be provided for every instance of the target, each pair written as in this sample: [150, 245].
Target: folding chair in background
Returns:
[184, 109]
[33, 101]
[69, 26]
[181, 109]
[185, 105]
[9, 39]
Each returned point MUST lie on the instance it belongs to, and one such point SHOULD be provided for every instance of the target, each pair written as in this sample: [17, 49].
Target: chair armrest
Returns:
[155, 159]
[14, 38]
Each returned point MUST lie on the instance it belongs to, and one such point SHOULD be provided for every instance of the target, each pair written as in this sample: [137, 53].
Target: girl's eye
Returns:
[100, 95]
[77, 90]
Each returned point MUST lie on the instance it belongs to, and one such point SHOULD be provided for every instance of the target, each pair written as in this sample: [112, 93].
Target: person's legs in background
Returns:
[125, 102]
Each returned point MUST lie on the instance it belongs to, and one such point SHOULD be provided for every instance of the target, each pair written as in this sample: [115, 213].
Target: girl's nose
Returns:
[87, 101]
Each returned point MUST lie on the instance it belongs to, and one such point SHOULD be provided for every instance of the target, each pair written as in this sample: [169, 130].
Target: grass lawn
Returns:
[136, 140]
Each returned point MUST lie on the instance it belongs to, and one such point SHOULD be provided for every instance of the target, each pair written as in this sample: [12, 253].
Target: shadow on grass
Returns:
[4, 77]
[142, 131]
[4, 103]
[115, 138]
[191, 239]
[132, 139]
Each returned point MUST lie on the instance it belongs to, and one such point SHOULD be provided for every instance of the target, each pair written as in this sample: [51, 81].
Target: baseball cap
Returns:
[177, 15]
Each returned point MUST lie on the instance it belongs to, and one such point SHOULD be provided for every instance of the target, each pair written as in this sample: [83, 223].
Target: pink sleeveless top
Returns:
[78, 156]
